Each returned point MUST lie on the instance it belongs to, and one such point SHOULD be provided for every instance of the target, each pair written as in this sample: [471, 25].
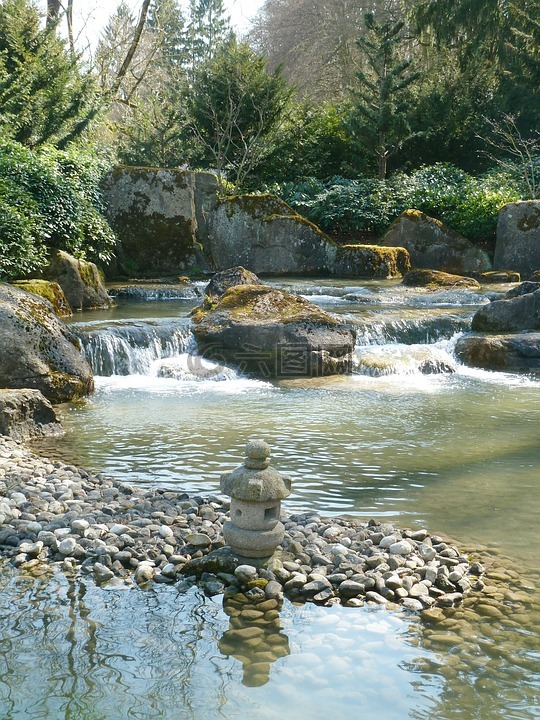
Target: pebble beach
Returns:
[54, 513]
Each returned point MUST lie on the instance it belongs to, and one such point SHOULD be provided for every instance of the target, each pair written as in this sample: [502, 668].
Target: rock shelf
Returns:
[53, 513]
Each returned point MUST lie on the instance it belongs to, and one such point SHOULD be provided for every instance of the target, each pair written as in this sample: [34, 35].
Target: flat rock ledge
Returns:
[53, 514]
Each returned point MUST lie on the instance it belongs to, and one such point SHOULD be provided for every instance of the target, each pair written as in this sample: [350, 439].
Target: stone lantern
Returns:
[256, 492]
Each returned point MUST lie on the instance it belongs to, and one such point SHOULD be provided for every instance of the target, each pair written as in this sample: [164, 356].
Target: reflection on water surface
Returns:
[457, 453]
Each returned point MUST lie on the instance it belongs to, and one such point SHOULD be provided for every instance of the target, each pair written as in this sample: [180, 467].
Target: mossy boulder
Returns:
[370, 261]
[26, 414]
[270, 333]
[37, 350]
[80, 280]
[264, 234]
[432, 245]
[514, 313]
[436, 279]
[226, 279]
[518, 237]
[152, 211]
[499, 276]
[49, 290]
[509, 353]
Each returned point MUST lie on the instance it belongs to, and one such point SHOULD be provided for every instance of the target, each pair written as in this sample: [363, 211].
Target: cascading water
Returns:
[403, 440]
[131, 348]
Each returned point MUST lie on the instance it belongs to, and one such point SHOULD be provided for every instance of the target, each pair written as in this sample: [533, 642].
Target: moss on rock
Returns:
[48, 290]
[371, 261]
[436, 279]
[272, 333]
[37, 350]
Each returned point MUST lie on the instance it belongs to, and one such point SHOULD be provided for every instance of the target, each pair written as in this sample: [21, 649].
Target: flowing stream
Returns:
[411, 437]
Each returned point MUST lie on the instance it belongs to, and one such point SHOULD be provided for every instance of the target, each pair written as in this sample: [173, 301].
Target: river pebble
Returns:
[52, 513]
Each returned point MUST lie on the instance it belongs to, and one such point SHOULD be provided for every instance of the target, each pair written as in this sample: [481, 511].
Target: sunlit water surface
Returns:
[455, 452]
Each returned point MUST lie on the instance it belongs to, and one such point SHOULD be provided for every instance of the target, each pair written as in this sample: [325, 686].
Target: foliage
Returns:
[467, 204]
[378, 119]
[42, 91]
[235, 108]
[311, 141]
[49, 199]
[518, 155]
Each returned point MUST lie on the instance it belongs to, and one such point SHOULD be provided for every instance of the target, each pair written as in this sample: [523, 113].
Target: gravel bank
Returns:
[56, 513]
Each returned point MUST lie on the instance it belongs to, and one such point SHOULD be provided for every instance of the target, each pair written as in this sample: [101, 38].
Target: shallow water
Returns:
[455, 452]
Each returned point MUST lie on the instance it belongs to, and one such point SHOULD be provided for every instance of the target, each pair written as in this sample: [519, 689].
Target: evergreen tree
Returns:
[42, 90]
[235, 108]
[208, 28]
[378, 120]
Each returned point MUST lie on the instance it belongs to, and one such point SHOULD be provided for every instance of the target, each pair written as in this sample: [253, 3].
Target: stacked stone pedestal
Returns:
[256, 491]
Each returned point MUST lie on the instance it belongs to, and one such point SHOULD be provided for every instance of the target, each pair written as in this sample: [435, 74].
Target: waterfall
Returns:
[131, 348]
[418, 330]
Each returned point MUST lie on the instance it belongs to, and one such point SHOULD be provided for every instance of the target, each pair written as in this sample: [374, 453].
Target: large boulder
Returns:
[153, 213]
[433, 245]
[436, 280]
[171, 221]
[264, 234]
[37, 350]
[49, 290]
[518, 237]
[369, 261]
[80, 280]
[511, 353]
[26, 414]
[513, 313]
[271, 333]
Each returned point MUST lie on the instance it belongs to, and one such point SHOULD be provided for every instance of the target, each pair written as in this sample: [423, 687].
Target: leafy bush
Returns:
[49, 199]
[465, 203]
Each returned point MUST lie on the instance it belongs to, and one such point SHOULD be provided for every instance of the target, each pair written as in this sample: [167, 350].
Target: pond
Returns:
[410, 437]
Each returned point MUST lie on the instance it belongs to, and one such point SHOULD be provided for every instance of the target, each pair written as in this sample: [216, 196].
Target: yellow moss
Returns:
[261, 302]
[51, 291]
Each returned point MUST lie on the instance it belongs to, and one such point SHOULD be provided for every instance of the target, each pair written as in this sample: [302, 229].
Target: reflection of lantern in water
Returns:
[256, 491]
[254, 636]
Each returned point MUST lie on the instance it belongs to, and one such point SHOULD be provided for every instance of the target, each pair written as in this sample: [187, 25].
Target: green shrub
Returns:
[49, 199]
[465, 203]
[22, 247]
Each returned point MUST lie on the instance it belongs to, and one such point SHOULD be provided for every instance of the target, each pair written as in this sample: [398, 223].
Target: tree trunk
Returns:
[109, 94]
[53, 11]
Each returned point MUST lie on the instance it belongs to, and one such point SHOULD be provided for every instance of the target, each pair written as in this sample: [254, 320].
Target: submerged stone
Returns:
[435, 279]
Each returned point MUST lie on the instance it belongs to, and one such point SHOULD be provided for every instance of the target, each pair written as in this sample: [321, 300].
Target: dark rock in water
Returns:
[27, 414]
[518, 237]
[509, 315]
[435, 279]
[49, 290]
[222, 560]
[80, 280]
[37, 350]
[271, 333]
[535, 277]
[433, 245]
[523, 289]
[499, 276]
[226, 279]
[502, 352]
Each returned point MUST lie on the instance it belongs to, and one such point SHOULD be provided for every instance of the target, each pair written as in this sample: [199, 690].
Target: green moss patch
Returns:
[51, 291]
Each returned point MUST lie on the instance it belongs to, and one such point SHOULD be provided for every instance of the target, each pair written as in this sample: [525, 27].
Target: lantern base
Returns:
[253, 543]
